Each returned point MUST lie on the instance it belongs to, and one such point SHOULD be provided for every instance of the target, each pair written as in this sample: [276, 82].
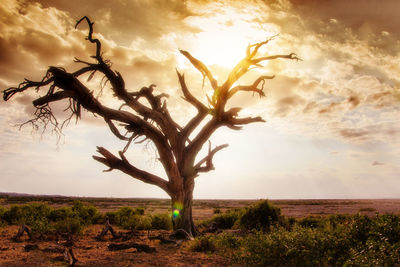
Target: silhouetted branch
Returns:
[115, 130]
[123, 165]
[251, 54]
[208, 159]
[201, 67]
[289, 56]
[251, 88]
[90, 36]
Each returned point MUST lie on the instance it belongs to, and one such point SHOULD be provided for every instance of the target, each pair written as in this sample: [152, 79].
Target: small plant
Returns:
[203, 244]
[2, 212]
[87, 214]
[138, 222]
[311, 222]
[217, 210]
[69, 225]
[226, 220]
[161, 222]
[260, 216]
[123, 215]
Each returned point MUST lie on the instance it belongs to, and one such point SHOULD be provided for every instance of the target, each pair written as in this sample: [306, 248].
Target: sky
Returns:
[332, 120]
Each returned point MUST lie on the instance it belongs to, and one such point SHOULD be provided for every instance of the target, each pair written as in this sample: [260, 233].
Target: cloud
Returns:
[377, 163]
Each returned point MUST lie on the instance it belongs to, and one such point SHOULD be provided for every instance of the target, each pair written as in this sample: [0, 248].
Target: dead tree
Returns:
[145, 116]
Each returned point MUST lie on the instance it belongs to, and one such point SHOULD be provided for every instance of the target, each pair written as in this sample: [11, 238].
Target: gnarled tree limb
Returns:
[208, 159]
[200, 66]
[123, 165]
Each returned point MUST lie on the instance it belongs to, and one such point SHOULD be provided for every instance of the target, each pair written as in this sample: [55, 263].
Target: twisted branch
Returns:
[123, 165]
[208, 159]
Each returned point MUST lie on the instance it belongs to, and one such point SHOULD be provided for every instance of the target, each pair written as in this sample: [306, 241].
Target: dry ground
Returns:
[91, 252]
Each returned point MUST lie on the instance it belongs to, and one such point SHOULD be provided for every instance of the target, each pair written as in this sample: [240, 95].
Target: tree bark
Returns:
[181, 202]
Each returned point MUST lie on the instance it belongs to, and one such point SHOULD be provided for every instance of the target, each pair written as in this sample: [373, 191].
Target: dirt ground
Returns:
[91, 252]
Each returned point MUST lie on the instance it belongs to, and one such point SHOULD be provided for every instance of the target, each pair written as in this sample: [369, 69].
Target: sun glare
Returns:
[223, 40]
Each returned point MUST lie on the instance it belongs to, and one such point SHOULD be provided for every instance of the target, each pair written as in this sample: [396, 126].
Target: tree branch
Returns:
[208, 159]
[188, 96]
[201, 67]
[90, 37]
[10, 92]
[251, 88]
[233, 122]
[289, 56]
[115, 130]
[251, 54]
[123, 165]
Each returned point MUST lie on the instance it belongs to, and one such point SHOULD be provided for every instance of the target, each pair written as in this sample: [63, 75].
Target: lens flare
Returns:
[175, 213]
[176, 210]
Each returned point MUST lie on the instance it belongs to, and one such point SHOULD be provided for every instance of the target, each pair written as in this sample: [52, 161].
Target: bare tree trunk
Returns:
[182, 201]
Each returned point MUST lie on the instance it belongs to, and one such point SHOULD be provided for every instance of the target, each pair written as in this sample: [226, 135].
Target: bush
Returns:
[311, 222]
[61, 213]
[226, 220]
[304, 246]
[260, 216]
[388, 227]
[69, 225]
[375, 253]
[86, 214]
[18, 214]
[227, 241]
[203, 244]
[123, 215]
[2, 212]
[161, 222]
[138, 222]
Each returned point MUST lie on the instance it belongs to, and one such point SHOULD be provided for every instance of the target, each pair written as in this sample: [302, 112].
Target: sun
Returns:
[223, 39]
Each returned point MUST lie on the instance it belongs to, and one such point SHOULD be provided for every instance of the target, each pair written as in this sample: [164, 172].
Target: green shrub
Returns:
[203, 244]
[123, 215]
[161, 222]
[87, 214]
[388, 227]
[227, 241]
[280, 247]
[61, 213]
[139, 211]
[138, 222]
[2, 212]
[260, 216]
[226, 220]
[360, 228]
[375, 253]
[311, 222]
[217, 211]
[18, 214]
[69, 225]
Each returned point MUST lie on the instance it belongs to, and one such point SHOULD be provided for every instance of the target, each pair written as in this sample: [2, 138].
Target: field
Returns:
[200, 252]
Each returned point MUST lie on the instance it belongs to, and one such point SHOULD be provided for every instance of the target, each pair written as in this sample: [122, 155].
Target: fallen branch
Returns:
[138, 247]
[107, 228]
[24, 228]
